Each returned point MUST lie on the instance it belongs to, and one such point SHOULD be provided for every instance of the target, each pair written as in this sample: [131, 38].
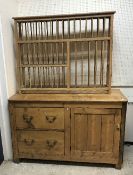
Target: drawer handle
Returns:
[28, 120]
[51, 143]
[29, 142]
[50, 119]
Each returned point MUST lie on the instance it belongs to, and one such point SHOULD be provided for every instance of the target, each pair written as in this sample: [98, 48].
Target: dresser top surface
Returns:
[114, 96]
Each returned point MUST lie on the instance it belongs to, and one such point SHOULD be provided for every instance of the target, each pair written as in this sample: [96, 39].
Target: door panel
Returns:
[94, 129]
[80, 132]
[107, 133]
[95, 136]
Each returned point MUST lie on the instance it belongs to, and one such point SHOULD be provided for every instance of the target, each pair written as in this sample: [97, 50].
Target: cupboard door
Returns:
[95, 134]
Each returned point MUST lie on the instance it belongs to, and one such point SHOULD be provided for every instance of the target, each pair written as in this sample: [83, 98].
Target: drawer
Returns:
[39, 143]
[40, 118]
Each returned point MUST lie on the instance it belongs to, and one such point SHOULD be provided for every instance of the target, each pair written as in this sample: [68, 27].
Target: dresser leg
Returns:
[118, 166]
[16, 160]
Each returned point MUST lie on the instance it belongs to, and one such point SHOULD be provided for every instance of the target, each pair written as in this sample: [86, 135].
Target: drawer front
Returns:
[40, 143]
[43, 118]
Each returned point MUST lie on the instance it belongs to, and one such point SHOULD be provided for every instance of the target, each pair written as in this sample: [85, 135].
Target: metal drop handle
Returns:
[29, 142]
[50, 119]
[51, 143]
[28, 120]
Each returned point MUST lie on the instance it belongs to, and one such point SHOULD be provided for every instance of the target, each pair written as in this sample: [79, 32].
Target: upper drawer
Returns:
[40, 118]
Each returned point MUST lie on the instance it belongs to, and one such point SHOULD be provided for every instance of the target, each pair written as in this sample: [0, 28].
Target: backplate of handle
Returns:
[29, 142]
[51, 143]
[28, 120]
[50, 119]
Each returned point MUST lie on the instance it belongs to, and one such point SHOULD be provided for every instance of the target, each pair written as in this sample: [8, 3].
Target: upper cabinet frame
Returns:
[64, 53]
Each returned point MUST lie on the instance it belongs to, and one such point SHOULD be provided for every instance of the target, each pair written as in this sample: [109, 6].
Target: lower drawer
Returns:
[40, 143]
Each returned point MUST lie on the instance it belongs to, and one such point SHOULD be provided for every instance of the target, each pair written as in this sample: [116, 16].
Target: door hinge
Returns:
[70, 148]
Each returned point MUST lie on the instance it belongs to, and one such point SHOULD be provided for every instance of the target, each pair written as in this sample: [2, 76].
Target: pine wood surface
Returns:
[114, 96]
[89, 128]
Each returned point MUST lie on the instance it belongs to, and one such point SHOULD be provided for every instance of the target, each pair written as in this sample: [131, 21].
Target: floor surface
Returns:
[10, 168]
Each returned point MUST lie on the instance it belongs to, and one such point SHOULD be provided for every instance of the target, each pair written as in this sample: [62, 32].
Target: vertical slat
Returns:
[48, 57]
[48, 63]
[34, 53]
[75, 44]
[117, 129]
[63, 58]
[97, 27]
[42, 54]
[47, 33]
[102, 63]
[47, 52]
[23, 62]
[89, 63]
[104, 19]
[42, 31]
[63, 62]
[19, 31]
[25, 31]
[110, 53]
[80, 43]
[91, 27]
[43, 75]
[74, 28]
[57, 29]
[36, 31]
[45, 30]
[22, 31]
[80, 28]
[39, 56]
[68, 28]
[37, 60]
[68, 65]
[94, 132]
[40, 72]
[82, 65]
[58, 58]
[95, 63]
[67, 114]
[31, 32]
[27, 78]
[86, 28]
[53, 63]
[80, 132]
[107, 133]
[75, 52]
[21, 68]
[72, 132]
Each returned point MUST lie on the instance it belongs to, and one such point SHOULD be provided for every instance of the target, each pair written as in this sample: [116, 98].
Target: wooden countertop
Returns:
[114, 96]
